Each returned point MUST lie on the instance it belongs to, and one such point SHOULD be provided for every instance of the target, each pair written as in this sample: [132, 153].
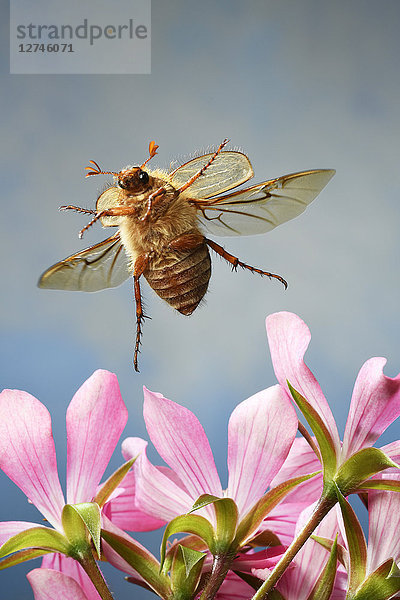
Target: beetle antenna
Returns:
[152, 151]
[95, 170]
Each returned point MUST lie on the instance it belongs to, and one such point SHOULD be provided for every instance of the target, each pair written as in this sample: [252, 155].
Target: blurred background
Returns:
[295, 85]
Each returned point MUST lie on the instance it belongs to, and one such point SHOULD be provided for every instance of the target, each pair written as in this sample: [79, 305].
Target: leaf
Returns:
[324, 439]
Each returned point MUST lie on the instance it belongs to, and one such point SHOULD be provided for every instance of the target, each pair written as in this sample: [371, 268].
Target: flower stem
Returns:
[88, 563]
[220, 568]
[321, 510]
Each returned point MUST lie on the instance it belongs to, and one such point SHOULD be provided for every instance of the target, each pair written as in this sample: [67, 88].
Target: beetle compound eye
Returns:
[121, 184]
[144, 177]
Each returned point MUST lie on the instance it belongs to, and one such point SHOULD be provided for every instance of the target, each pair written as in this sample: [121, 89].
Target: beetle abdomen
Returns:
[182, 283]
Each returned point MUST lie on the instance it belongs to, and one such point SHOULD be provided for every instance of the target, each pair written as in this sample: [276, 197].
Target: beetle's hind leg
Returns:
[139, 267]
[235, 262]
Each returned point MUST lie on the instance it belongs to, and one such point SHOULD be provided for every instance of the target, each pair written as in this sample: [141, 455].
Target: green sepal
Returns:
[189, 541]
[256, 583]
[266, 538]
[359, 467]
[141, 560]
[76, 519]
[37, 537]
[194, 524]
[251, 580]
[275, 595]
[252, 520]
[324, 585]
[387, 485]
[202, 501]
[186, 571]
[382, 584]
[112, 483]
[356, 545]
[321, 432]
[226, 513]
[342, 554]
[22, 556]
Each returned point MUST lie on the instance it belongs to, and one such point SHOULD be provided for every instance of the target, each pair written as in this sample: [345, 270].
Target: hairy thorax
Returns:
[169, 217]
[168, 241]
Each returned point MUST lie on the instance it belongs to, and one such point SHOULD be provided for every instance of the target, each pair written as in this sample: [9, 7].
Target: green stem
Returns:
[220, 568]
[321, 510]
[88, 563]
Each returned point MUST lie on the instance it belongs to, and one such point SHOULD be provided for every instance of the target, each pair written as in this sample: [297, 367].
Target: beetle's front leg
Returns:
[153, 200]
[116, 211]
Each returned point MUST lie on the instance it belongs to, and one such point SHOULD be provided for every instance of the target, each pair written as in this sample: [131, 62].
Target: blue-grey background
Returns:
[296, 85]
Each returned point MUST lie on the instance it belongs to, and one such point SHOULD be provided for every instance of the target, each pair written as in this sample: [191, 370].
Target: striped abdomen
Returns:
[182, 282]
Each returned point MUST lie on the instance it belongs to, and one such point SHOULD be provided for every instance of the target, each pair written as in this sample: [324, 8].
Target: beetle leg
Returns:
[139, 267]
[235, 262]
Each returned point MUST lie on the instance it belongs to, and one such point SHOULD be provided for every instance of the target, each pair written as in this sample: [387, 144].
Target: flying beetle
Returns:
[161, 217]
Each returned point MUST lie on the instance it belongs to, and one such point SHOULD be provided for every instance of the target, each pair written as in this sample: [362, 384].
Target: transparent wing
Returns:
[104, 265]
[227, 171]
[108, 199]
[262, 207]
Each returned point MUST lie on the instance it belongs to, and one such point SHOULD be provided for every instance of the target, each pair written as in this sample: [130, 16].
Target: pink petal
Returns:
[301, 460]
[69, 566]
[157, 494]
[96, 418]
[375, 404]
[27, 453]
[288, 338]
[282, 520]
[261, 559]
[297, 583]
[124, 512]
[48, 584]
[181, 442]
[258, 444]
[10, 528]
[234, 588]
[393, 451]
[384, 525]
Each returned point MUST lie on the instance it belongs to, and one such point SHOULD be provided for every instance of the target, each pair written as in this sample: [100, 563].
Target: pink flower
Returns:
[257, 447]
[375, 403]
[96, 418]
